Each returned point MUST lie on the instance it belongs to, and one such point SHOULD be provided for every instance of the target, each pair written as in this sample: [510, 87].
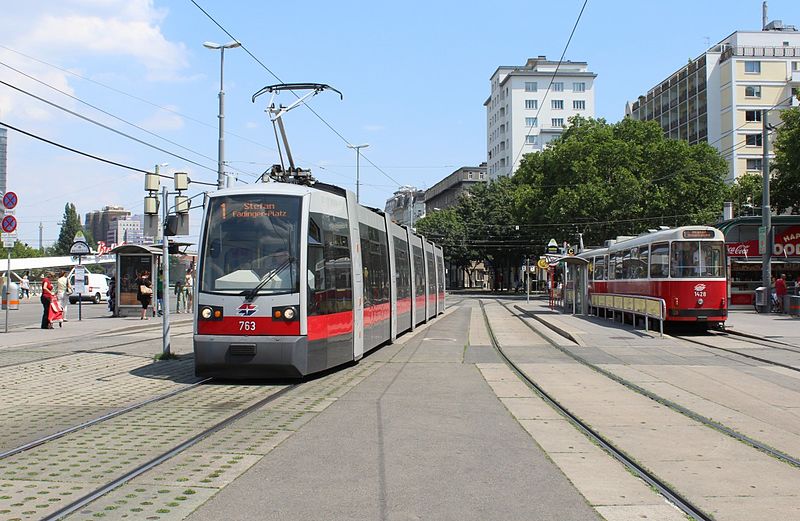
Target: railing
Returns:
[760, 52]
[647, 307]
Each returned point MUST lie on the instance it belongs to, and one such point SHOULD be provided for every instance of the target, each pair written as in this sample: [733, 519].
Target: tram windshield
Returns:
[697, 259]
[250, 239]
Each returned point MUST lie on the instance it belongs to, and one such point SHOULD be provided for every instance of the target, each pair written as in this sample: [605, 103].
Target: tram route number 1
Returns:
[247, 325]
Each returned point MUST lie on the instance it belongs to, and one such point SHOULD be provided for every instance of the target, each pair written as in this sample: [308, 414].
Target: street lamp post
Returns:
[358, 156]
[221, 150]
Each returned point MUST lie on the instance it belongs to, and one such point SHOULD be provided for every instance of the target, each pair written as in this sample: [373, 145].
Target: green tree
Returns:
[22, 250]
[784, 193]
[604, 180]
[70, 225]
[745, 194]
[446, 228]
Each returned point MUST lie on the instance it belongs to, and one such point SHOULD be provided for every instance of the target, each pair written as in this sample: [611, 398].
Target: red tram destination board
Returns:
[10, 200]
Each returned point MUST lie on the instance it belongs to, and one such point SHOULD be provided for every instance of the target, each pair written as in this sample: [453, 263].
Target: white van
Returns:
[96, 288]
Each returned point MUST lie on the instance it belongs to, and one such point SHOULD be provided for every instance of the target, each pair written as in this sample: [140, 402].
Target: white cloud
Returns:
[162, 120]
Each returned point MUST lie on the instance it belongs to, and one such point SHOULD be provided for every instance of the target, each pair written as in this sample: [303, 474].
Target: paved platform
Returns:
[423, 437]
[579, 328]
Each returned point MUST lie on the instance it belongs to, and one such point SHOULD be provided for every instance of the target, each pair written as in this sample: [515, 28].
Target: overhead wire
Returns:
[323, 120]
[33, 78]
[552, 78]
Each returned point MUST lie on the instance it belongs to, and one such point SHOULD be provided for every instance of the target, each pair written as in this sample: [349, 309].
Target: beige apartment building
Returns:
[719, 97]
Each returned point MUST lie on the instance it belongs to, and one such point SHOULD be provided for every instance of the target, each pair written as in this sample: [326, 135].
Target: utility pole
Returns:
[358, 173]
[165, 268]
[221, 142]
[765, 234]
[41, 246]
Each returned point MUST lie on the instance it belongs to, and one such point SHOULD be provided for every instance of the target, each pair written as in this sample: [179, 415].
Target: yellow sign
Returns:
[542, 264]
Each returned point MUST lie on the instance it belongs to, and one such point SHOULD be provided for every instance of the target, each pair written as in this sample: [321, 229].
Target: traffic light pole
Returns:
[766, 217]
[165, 277]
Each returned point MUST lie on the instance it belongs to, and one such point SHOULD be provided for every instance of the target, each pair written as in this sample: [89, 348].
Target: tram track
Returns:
[708, 422]
[165, 455]
[766, 344]
[651, 479]
[95, 421]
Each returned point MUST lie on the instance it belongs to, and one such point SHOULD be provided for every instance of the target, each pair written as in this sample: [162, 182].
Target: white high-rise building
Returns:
[522, 115]
[718, 97]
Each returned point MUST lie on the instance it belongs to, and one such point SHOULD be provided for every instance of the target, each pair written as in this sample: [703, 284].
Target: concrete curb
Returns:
[553, 327]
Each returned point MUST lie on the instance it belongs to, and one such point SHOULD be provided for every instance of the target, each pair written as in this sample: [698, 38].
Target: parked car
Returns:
[96, 288]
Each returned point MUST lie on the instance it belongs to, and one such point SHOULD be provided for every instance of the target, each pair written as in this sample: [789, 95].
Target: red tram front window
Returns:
[697, 259]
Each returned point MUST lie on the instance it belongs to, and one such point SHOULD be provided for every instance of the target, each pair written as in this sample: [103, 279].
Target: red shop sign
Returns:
[787, 244]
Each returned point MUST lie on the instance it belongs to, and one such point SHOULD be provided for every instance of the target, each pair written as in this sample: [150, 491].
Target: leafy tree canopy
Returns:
[784, 193]
[605, 180]
[70, 225]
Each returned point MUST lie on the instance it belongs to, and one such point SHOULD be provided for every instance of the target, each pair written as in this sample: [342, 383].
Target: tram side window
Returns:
[659, 260]
[619, 271]
[644, 258]
[612, 266]
[712, 259]
[431, 274]
[329, 280]
[599, 268]
[419, 272]
[375, 265]
[627, 265]
[685, 259]
[403, 274]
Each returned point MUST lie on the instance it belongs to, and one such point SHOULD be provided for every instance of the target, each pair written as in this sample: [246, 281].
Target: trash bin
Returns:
[761, 298]
[13, 297]
[794, 305]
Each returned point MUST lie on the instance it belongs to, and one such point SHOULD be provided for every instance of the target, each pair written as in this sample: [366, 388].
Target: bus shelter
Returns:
[573, 290]
[131, 261]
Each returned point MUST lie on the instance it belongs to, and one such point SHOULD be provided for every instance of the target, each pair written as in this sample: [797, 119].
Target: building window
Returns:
[796, 66]
[531, 104]
[579, 86]
[579, 104]
[530, 140]
[754, 164]
[752, 91]
[752, 67]
[559, 122]
[482, 176]
[531, 122]
[530, 86]
[752, 115]
[753, 140]
[558, 86]
[557, 104]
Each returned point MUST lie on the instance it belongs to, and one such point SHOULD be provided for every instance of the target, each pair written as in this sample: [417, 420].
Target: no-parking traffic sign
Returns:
[10, 200]
[9, 224]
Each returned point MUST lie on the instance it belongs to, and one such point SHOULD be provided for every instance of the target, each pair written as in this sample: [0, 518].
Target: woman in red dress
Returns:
[48, 295]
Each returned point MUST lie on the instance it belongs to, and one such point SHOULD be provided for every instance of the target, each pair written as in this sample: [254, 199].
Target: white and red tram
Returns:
[293, 280]
[683, 266]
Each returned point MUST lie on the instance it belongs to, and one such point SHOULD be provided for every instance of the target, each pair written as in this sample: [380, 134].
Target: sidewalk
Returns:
[578, 328]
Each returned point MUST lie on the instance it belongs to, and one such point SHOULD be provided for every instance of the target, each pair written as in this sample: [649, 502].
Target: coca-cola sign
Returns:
[742, 249]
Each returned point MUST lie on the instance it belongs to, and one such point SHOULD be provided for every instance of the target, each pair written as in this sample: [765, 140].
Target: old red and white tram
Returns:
[683, 266]
[296, 279]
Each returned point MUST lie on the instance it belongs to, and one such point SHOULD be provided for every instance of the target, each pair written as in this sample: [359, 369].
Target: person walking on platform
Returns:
[63, 291]
[144, 293]
[25, 286]
[47, 295]
[780, 291]
[188, 291]
[180, 298]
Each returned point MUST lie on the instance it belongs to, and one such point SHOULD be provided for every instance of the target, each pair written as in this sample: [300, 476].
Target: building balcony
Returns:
[760, 52]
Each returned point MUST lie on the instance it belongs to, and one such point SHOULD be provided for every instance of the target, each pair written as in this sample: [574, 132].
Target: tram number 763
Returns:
[247, 325]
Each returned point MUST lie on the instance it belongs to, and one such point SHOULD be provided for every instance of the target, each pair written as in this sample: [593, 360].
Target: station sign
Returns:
[80, 279]
[80, 246]
[552, 247]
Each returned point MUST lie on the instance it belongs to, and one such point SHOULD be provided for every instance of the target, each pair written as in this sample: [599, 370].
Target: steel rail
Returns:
[651, 479]
[140, 469]
[745, 355]
[708, 422]
[95, 421]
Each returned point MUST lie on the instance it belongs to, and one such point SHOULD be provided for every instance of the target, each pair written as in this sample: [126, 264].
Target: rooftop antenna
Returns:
[279, 172]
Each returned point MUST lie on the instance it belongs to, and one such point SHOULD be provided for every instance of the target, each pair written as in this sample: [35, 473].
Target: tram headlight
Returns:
[211, 313]
[289, 313]
[206, 313]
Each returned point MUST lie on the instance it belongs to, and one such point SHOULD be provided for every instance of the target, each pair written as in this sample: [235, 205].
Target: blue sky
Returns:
[414, 77]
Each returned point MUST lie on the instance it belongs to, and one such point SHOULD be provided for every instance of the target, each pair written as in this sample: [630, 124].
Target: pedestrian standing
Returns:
[144, 293]
[160, 297]
[180, 298]
[112, 295]
[48, 294]
[780, 291]
[63, 291]
[25, 286]
[188, 288]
